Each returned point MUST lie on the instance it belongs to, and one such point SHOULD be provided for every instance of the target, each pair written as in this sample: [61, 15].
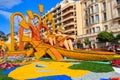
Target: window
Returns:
[91, 0]
[119, 22]
[90, 31]
[97, 18]
[87, 31]
[86, 22]
[76, 33]
[96, 0]
[91, 9]
[74, 14]
[104, 6]
[118, 1]
[85, 4]
[96, 8]
[92, 19]
[105, 16]
[66, 1]
[89, 20]
[106, 27]
[98, 29]
[93, 30]
[85, 13]
[118, 11]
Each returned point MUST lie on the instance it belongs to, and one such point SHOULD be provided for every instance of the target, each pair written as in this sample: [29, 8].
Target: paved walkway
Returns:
[98, 76]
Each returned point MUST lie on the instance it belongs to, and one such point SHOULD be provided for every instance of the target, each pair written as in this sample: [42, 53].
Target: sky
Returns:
[7, 7]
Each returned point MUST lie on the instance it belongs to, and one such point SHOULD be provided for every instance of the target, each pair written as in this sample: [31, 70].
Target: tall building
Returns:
[67, 14]
[97, 16]
[87, 18]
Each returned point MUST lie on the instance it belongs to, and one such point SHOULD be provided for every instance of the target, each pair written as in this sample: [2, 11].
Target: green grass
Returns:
[92, 66]
[45, 59]
[1, 70]
[3, 76]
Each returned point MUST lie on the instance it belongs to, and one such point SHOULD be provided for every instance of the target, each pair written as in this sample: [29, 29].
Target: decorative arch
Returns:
[12, 29]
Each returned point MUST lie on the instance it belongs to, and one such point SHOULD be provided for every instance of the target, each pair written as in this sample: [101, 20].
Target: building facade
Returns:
[67, 14]
[97, 16]
[87, 18]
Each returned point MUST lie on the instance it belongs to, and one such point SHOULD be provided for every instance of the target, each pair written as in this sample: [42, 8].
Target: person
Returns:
[49, 37]
[58, 39]
[117, 49]
[111, 48]
[64, 40]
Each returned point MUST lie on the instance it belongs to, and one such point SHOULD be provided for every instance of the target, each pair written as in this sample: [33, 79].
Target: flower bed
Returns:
[44, 68]
[116, 63]
[6, 65]
[92, 66]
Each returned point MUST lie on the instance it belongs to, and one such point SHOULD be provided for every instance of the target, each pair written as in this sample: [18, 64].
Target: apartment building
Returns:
[71, 17]
[97, 16]
[67, 14]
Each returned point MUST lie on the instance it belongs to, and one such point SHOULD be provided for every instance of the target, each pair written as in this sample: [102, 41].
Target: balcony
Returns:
[90, 35]
[117, 15]
[69, 30]
[104, 20]
[117, 4]
[102, 0]
[70, 17]
[58, 22]
[71, 14]
[71, 5]
[58, 16]
[103, 10]
[58, 11]
[67, 12]
[69, 24]
[115, 28]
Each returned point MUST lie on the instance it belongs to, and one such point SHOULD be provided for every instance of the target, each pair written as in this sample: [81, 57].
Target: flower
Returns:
[116, 63]
[6, 65]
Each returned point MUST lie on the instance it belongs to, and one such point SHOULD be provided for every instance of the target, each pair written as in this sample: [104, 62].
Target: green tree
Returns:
[87, 41]
[105, 36]
[117, 40]
[118, 37]
[79, 44]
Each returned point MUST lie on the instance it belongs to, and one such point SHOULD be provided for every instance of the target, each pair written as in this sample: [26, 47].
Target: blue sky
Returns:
[7, 7]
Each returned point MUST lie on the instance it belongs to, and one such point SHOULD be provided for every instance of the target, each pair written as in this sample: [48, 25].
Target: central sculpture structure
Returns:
[39, 45]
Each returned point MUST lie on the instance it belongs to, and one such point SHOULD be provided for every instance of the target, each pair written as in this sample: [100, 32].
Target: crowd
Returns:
[114, 48]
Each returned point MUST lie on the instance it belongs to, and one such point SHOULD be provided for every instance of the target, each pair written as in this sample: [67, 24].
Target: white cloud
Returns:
[5, 14]
[9, 3]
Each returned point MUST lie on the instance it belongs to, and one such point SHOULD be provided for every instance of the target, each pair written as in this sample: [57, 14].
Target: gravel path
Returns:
[98, 76]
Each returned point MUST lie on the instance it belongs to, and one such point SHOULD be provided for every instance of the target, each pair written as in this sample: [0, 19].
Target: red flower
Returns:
[116, 63]
[6, 65]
